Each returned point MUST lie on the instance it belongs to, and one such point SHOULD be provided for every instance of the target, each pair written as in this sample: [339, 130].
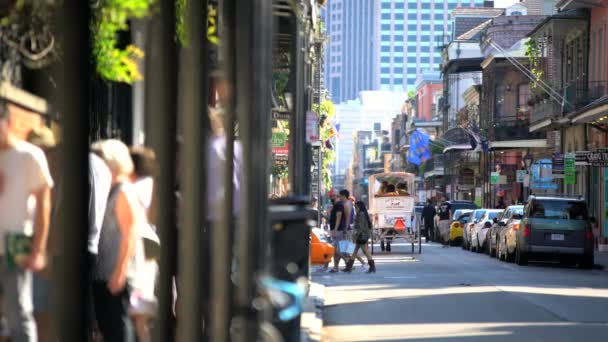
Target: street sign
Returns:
[570, 168]
[315, 168]
[478, 197]
[281, 160]
[494, 177]
[280, 115]
[521, 174]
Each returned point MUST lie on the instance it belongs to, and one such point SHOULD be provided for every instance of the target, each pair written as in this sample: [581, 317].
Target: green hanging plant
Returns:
[110, 18]
[534, 54]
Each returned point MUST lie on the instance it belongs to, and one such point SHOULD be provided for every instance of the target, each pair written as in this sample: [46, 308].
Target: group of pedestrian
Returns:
[387, 189]
[440, 218]
[122, 278]
[350, 224]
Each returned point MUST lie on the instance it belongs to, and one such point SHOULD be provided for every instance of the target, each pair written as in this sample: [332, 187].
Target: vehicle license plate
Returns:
[557, 237]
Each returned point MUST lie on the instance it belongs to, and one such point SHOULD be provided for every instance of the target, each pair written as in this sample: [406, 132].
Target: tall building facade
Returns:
[350, 51]
[411, 33]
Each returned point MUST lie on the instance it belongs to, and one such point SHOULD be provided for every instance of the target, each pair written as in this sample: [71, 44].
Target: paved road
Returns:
[451, 295]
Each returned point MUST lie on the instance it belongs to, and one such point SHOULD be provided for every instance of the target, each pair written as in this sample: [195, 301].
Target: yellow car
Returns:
[457, 226]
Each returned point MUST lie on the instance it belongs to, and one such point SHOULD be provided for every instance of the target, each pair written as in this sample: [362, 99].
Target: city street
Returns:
[455, 295]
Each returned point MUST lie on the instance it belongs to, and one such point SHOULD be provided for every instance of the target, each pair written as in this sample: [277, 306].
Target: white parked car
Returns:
[478, 236]
[469, 227]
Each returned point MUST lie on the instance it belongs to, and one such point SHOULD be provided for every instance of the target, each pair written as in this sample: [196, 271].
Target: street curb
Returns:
[312, 316]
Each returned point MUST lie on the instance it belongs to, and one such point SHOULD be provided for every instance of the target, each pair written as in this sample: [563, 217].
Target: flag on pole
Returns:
[419, 147]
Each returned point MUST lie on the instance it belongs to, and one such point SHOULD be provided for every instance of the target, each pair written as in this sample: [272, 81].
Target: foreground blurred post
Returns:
[161, 94]
[222, 245]
[192, 108]
[72, 273]
[253, 53]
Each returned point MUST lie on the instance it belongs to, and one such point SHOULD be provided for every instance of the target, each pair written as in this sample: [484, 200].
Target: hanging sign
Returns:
[557, 164]
[570, 168]
[279, 139]
[312, 127]
[494, 177]
[280, 160]
[521, 174]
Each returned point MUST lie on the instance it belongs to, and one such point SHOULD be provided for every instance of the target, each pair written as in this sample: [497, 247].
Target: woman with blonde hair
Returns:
[120, 248]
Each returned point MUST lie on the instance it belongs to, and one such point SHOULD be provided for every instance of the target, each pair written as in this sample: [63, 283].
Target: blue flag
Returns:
[419, 148]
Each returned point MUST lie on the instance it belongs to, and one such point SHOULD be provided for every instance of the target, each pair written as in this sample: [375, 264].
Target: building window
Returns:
[384, 16]
[386, 5]
[425, 60]
[438, 16]
[385, 60]
[399, 27]
[385, 37]
[412, 27]
[386, 27]
[398, 80]
[399, 5]
[385, 80]
[398, 71]
[425, 28]
[425, 48]
[438, 28]
[600, 56]
[411, 49]
[425, 5]
[398, 48]
[524, 94]
[516, 13]
[411, 60]
[412, 16]
[385, 70]
[398, 60]
[425, 16]
[398, 16]
[386, 49]
[411, 71]
[398, 38]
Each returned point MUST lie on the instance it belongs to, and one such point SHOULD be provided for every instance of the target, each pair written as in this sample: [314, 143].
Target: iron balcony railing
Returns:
[435, 163]
[578, 95]
[516, 127]
[543, 108]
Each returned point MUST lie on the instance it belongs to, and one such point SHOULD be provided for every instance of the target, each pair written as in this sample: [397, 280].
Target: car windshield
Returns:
[479, 214]
[519, 212]
[559, 209]
[493, 214]
[464, 218]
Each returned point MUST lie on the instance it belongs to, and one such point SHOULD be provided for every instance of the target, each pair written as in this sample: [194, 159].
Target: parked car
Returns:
[552, 226]
[321, 251]
[508, 217]
[468, 227]
[480, 229]
[460, 218]
[457, 205]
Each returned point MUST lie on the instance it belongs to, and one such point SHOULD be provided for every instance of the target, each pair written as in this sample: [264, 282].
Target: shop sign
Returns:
[315, 175]
[598, 158]
[570, 168]
[312, 127]
[521, 175]
[557, 164]
[494, 177]
[422, 196]
[279, 139]
[280, 160]
[280, 115]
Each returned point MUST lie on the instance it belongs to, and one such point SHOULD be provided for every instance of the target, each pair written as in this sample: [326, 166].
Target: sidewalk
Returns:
[312, 317]
[601, 260]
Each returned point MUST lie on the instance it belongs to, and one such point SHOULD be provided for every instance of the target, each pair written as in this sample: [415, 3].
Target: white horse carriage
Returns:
[393, 212]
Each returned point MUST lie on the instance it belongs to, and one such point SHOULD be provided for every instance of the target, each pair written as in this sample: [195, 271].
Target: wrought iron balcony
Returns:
[543, 109]
[516, 127]
[578, 95]
[435, 163]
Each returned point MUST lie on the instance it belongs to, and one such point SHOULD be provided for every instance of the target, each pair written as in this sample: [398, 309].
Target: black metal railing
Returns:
[436, 162]
[578, 95]
[542, 109]
[515, 127]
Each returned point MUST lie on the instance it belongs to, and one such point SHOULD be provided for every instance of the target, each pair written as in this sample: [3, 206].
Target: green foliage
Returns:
[326, 112]
[181, 25]
[534, 54]
[111, 17]
[411, 95]
[279, 171]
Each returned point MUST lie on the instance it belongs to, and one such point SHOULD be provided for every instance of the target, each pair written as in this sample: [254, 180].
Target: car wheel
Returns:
[587, 262]
[520, 258]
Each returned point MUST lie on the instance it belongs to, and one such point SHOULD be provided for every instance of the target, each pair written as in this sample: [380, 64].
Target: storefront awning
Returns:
[595, 112]
[460, 139]
[528, 143]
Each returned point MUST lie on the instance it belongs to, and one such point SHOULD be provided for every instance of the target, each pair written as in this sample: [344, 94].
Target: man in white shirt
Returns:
[24, 172]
